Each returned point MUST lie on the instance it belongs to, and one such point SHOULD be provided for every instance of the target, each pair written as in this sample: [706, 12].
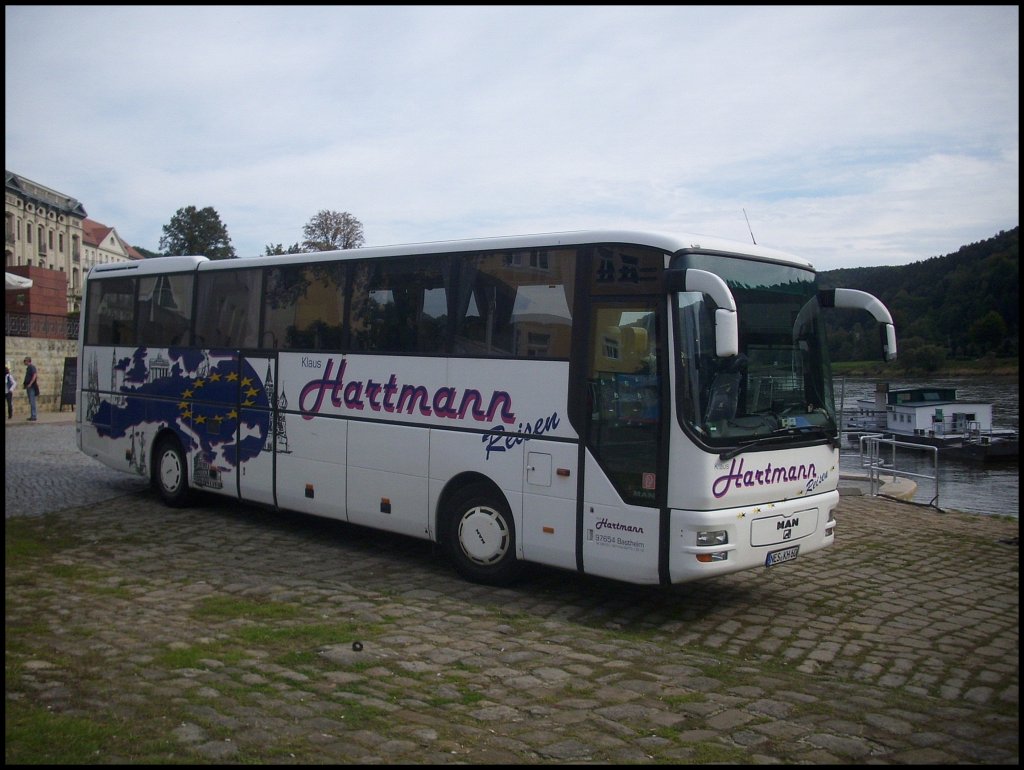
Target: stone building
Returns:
[43, 230]
[49, 230]
[49, 239]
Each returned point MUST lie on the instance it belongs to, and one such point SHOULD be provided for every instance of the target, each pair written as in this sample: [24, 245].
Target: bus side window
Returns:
[165, 308]
[484, 312]
[123, 332]
[229, 308]
[111, 312]
[400, 306]
[304, 306]
[516, 303]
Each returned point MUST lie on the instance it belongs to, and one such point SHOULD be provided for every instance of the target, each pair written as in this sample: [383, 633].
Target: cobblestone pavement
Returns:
[237, 634]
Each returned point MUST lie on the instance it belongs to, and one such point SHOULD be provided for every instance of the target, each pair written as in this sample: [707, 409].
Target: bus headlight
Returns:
[713, 537]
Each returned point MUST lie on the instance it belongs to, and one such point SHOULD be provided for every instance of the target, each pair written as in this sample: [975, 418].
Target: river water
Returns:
[990, 488]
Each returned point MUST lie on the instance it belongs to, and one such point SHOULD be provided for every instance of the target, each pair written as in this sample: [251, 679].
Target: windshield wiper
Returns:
[782, 434]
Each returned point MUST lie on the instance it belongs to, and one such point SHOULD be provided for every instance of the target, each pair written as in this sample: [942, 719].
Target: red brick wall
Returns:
[48, 295]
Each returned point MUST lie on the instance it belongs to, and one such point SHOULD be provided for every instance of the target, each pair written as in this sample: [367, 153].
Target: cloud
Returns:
[850, 135]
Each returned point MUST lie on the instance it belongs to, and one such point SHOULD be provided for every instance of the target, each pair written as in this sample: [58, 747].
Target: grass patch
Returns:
[305, 636]
[690, 697]
[36, 735]
[232, 608]
[75, 572]
[34, 537]
[114, 592]
[359, 715]
[298, 659]
[193, 657]
[466, 697]
[949, 368]
[708, 753]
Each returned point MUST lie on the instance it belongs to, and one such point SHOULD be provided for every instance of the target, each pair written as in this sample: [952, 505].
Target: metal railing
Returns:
[53, 327]
[871, 458]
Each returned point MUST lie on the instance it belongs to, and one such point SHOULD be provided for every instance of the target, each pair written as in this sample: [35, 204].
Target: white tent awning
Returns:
[13, 281]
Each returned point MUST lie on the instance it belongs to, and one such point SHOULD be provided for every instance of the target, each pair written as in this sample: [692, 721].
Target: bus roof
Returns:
[671, 243]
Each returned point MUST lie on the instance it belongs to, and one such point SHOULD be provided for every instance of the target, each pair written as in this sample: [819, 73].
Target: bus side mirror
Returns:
[861, 300]
[888, 342]
[727, 336]
[727, 333]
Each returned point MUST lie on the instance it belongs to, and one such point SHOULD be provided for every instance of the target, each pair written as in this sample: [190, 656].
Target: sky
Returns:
[850, 136]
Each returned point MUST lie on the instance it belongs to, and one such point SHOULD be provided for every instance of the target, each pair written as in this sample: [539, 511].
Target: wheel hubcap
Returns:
[170, 471]
[483, 535]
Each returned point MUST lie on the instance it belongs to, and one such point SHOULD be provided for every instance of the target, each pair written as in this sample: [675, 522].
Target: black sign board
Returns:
[67, 388]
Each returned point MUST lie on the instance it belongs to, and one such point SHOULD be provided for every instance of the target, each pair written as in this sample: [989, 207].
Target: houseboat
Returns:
[934, 417]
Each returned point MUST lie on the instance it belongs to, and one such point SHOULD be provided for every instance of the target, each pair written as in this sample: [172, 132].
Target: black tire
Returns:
[480, 537]
[170, 472]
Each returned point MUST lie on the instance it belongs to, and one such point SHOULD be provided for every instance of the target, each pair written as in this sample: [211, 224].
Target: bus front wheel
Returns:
[481, 537]
[170, 472]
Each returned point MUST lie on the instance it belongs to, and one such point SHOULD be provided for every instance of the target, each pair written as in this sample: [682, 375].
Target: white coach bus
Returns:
[644, 407]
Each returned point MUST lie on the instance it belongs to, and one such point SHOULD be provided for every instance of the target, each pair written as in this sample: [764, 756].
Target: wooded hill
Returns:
[964, 305]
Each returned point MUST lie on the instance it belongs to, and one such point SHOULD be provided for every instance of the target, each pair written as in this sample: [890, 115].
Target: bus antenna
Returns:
[748, 226]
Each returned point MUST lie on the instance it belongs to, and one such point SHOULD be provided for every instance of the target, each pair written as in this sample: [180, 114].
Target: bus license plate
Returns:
[778, 557]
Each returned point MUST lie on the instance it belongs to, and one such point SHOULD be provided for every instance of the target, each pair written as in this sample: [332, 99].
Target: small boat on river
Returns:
[934, 417]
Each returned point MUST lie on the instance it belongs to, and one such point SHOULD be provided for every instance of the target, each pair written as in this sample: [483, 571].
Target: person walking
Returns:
[9, 386]
[31, 385]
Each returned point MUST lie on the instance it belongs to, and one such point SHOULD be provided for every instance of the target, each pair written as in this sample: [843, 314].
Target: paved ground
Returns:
[229, 633]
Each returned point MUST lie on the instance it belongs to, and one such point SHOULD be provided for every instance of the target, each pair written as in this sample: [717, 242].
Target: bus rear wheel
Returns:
[481, 537]
[170, 472]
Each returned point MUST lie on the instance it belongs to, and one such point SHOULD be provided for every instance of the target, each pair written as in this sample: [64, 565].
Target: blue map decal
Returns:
[217, 405]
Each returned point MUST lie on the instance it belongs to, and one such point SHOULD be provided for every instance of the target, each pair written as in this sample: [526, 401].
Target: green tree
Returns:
[274, 249]
[940, 301]
[916, 354]
[988, 332]
[197, 231]
[330, 230]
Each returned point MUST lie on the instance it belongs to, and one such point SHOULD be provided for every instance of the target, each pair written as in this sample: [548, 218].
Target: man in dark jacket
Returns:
[31, 386]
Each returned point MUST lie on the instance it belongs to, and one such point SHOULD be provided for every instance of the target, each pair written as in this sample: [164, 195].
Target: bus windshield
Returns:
[780, 383]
